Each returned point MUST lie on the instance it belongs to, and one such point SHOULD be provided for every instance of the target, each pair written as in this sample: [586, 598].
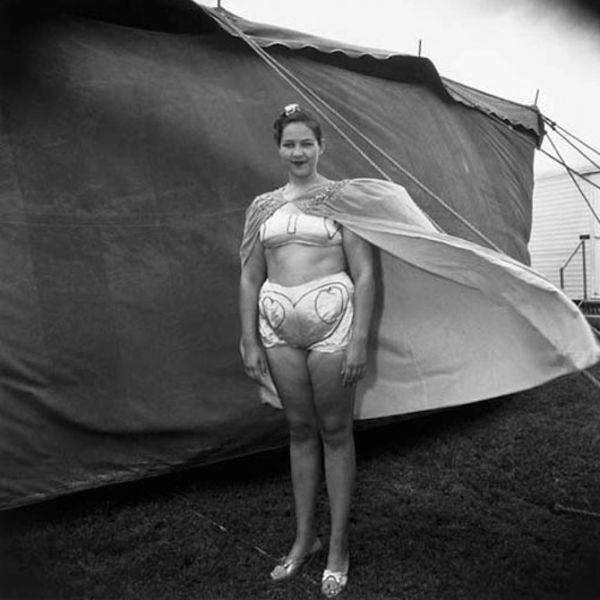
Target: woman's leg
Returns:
[334, 406]
[290, 374]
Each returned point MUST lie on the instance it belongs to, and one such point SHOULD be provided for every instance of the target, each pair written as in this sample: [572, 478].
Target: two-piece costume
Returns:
[453, 322]
[316, 315]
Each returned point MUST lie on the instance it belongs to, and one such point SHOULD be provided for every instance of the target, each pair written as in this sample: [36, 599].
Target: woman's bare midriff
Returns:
[294, 264]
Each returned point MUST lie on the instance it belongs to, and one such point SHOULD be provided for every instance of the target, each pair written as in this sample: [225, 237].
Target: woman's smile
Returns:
[299, 163]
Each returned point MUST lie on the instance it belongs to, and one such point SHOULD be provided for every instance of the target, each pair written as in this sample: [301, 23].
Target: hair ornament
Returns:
[290, 109]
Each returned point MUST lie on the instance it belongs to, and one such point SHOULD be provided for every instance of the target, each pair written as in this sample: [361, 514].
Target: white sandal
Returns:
[333, 583]
[287, 568]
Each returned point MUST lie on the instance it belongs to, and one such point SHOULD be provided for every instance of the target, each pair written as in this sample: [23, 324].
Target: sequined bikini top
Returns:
[285, 226]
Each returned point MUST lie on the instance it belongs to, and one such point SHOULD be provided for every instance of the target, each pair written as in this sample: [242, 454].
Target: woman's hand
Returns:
[354, 365]
[254, 359]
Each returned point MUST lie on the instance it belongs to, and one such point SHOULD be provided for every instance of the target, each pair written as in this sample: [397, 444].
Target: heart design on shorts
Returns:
[273, 311]
[329, 304]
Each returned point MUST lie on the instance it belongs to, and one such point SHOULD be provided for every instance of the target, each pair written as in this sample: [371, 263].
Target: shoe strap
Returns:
[339, 577]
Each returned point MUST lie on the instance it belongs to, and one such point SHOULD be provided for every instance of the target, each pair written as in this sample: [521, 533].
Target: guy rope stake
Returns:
[576, 511]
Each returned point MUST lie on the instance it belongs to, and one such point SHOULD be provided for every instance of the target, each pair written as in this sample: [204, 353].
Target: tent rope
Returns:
[566, 139]
[554, 125]
[568, 168]
[585, 198]
[302, 89]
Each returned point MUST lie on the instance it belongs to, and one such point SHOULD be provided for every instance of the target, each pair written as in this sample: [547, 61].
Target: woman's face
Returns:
[299, 150]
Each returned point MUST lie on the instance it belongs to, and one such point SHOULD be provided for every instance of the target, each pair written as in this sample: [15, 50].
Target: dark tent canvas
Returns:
[130, 147]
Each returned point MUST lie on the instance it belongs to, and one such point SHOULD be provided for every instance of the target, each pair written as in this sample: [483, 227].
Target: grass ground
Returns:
[456, 505]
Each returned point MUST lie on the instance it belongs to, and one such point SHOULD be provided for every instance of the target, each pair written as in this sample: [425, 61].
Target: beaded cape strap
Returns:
[314, 202]
[266, 204]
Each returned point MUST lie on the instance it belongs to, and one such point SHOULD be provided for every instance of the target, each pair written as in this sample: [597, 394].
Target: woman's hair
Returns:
[292, 113]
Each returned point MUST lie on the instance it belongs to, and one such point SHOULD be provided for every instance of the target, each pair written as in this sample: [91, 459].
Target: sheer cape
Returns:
[454, 322]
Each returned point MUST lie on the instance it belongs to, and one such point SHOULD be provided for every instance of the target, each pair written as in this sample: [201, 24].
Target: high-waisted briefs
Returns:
[316, 315]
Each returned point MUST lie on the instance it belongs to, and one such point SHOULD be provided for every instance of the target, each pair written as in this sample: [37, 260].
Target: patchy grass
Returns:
[456, 505]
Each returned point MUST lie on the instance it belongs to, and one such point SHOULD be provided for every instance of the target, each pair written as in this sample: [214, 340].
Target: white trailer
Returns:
[565, 228]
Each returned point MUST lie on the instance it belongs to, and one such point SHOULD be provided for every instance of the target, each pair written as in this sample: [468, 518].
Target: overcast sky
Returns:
[509, 48]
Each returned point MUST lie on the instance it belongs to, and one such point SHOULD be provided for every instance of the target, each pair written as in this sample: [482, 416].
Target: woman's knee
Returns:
[303, 432]
[336, 433]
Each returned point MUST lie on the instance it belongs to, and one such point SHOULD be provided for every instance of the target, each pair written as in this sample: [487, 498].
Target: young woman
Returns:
[306, 298]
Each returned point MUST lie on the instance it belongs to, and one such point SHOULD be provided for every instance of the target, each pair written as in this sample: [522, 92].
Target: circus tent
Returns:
[131, 142]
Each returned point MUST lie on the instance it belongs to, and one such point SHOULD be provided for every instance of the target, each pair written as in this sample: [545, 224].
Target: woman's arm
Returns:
[252, 276]
[359, 256]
